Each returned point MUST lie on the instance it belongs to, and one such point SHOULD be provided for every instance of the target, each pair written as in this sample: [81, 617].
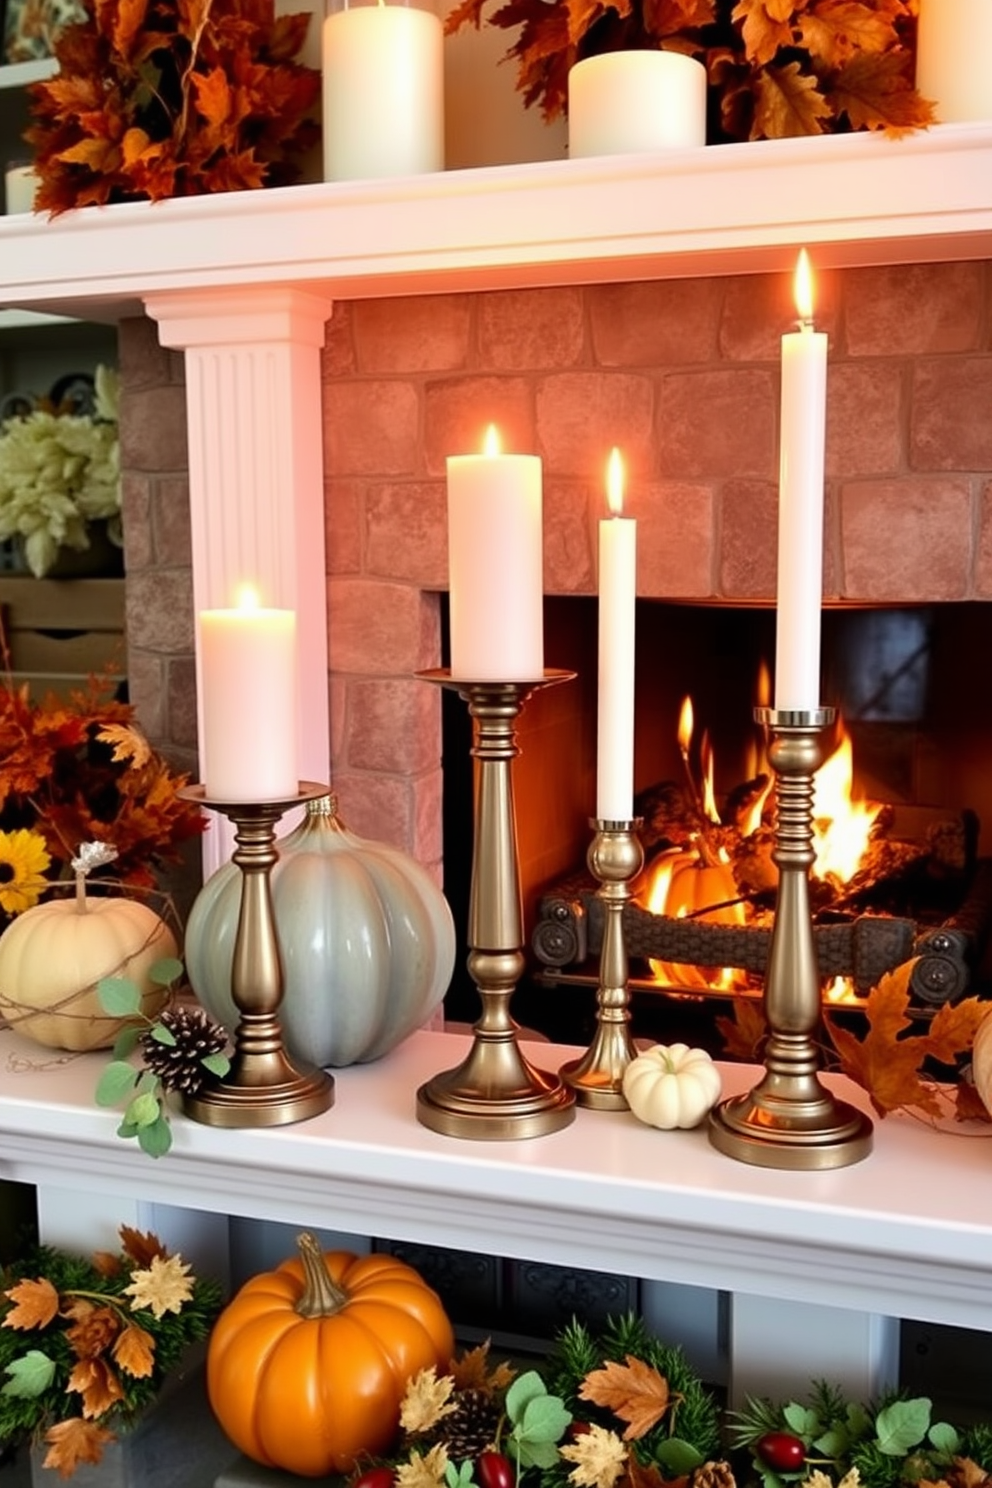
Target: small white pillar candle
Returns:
[383, 91]
[954, 58]
[496, 565]
[627, 102]
[20, 184]
[617, 598]
[800, 507]
[247, 658]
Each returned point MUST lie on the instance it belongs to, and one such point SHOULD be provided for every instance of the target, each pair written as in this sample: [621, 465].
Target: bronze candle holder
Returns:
[495, 1094]
[790, 1120]
[615, 858]
[263, 1087]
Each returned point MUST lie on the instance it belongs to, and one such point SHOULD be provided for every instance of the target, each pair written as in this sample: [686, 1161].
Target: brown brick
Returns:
[674, 540]
[380, 808]
[427, 844]
[171, 521]
[153, 429]
[717, 423]
[394, 726]
[371, 428]
[146, 691]
[344, 509]
[337, 359]
[904, 309]
[381, 629]
[655, 324]
[139, 549]
[582, 415]
[866, 418]
[757, 310]
[749, 540]
[906, 540]
[531, 329]
[337, 703]
[983, 558]
[182, 701]
[427, 333]
[951, 421]
[144, 362]
[160, 610]
[458, 411]
[408, 533]
[568, 544]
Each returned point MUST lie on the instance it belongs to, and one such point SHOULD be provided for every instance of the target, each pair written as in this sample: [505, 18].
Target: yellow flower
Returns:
[23, 860]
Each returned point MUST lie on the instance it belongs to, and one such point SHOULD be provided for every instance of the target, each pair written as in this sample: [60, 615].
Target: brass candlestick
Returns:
[263, 1087]
[615, 858]
[495, 1094]
[789, 1120]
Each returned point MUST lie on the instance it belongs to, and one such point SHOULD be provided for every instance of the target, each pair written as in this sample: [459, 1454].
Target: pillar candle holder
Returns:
[263, 1087]
[495, 1094]
[615, 858]
[790, 1120]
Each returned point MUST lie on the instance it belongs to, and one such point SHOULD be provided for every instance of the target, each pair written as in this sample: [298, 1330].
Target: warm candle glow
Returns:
[246, 597]
[804, 289]
[614, 483]
[491, 444]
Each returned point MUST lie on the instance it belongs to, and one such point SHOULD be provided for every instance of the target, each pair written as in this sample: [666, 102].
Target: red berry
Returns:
[375, 1477]
[495, 1471]
[781, 1451]
[578, 1428]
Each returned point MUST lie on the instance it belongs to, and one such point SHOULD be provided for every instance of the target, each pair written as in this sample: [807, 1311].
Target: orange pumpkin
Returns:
[708, 892]
[307, 1365]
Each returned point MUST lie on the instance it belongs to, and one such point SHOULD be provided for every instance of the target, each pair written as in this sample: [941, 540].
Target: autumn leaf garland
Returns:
[775, 68]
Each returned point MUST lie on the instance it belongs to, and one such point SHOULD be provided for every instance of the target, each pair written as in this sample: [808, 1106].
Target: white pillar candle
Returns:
[20, 184]
[800, 507]
[248, 751]
[496, 566]
[617, 597]
[626, 102]
[383, 92]
[954, 58]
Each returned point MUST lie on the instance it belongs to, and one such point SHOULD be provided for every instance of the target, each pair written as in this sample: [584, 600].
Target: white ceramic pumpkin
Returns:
[53, 955]
[366, 937]
[981, 1061]
[671, 1085]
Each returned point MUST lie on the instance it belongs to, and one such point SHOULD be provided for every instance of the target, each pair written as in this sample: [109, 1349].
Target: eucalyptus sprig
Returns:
[142, 1088]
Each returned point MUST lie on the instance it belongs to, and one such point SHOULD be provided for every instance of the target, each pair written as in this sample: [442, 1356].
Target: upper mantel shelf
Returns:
[853, 200]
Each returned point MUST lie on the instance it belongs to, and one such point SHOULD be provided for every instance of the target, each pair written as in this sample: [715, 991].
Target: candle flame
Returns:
[247, 597]
[804, 288]
[686, 722]
[614, 483]
[491, 444]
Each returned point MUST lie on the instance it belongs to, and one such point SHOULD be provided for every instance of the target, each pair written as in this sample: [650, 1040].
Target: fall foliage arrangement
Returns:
[85, 1345]
[775, 68]
[155, 99]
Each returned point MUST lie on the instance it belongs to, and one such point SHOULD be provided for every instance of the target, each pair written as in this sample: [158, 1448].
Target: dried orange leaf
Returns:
[134, 1351]
[36, 1303]
[634, 1391]
[73, 1442]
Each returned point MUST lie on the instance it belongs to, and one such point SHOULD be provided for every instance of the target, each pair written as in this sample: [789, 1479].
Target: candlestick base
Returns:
[615, 858]
[495, 1094]
[264, 1087]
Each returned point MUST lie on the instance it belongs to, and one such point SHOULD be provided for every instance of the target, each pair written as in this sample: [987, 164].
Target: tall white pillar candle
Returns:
[20, 185]
[627, 102]
[248, 659]
[954, 58]
[383, 91]
[617, 598]
[496, 565]
[800, 506]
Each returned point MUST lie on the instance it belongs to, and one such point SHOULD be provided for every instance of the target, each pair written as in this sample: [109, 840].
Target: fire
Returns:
[841, 825]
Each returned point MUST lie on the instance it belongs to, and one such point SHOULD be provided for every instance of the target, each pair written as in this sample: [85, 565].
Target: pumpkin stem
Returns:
[322, 1296]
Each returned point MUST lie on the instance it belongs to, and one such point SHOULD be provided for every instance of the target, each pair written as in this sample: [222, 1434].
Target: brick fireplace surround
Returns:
[682, 375]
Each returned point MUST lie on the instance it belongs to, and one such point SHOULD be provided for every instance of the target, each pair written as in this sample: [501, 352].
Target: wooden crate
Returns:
[59, 632]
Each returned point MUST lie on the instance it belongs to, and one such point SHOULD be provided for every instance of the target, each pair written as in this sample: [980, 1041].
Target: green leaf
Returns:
[902, 1426]
[143, 1110]
[163, 1035]
[543, 1454]
[147, 1083]
[834, 1442]
[115, 1084]
[525, 1388]
[127, 1129]
[801, 1421]
[155, 1139]
[165, 971]
[678, 1456]
[545, 1419]
[216, 1064]
[945, 1439]
[126, 1042]
[118, 996]
[30, 1375]
[460, 1477]
[858, 1422]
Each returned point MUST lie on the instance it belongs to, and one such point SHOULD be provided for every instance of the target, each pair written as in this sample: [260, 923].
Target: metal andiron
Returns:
[495, 1094]
[790, 1120]
[263, 1087]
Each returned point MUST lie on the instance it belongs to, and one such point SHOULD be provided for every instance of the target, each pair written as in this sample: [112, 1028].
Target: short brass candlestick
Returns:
[495, 1094]
[615, 858]
[263, 1087]
[790, 1120]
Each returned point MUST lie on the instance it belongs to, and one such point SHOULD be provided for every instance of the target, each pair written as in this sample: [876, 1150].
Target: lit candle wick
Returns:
[803, 290]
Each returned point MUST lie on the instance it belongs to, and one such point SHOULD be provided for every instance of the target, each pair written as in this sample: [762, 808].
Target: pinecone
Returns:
[179, 1065]
[471, 1428]
[713, 1475]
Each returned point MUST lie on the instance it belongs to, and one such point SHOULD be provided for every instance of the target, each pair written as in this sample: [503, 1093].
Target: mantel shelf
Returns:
[858, 199]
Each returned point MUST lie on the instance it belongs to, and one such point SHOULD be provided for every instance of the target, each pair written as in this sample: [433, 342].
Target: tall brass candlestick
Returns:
[615, 858]
[790, 1120]
[495, 1094]
[263, 1087]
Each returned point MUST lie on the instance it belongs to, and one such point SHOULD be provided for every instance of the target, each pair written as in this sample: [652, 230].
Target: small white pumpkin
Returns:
[981, 1061]
[53, 955]
[671, 1085]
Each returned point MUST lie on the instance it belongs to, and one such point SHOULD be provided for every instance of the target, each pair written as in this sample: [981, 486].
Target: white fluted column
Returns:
[256, 473]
